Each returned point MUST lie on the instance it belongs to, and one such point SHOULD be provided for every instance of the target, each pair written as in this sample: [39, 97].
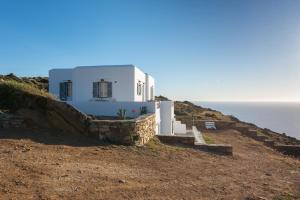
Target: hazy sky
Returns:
[196, 50]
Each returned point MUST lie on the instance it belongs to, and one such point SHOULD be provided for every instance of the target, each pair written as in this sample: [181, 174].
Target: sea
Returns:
[281, 117]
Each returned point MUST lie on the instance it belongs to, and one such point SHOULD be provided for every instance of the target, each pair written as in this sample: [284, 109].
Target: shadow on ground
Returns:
[52, 137]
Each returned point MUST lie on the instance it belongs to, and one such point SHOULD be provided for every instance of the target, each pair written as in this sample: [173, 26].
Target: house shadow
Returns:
[52, 137]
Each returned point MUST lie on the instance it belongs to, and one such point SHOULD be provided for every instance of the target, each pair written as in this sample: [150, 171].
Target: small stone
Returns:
[18, 182]
[5, 190]
[268, 174]
[122, 181]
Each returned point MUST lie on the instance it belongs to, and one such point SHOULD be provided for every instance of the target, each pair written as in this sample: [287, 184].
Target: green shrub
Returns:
[143, 110]
[122, 113]
[259, 133]
[208, 140]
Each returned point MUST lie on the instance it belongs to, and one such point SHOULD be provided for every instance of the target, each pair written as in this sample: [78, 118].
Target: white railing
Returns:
[198, 136]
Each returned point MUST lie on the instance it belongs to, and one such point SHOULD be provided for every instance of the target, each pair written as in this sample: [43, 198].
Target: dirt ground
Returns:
[43, 165]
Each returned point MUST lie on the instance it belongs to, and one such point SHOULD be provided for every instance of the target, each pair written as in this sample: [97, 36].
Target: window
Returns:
[139, 88]
[152, 93]
[65, 90]
[102, 89]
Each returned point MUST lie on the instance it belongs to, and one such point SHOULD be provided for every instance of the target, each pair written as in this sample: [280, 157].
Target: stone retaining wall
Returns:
[293, 150]
[189, 141]
[222, 149]
[67, 118]
[173, 139]
[12, 123]
[127, 132]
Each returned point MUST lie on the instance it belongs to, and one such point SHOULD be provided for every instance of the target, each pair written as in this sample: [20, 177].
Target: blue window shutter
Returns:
[69, 91]
[95, 89]
[62, 91]
[109, 89]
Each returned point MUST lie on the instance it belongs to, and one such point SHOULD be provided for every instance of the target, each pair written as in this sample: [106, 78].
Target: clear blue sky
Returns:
[196, 50]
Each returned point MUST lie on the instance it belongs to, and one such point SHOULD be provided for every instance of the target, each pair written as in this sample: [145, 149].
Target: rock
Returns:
[122, 181]
[19, 183]
[268, 174]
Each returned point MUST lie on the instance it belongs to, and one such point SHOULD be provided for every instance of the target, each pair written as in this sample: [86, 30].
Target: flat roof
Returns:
[99, 66]
[102, 66]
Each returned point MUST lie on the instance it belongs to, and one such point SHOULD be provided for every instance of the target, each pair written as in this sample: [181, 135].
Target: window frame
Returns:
[152, 92]
[67, 87]
[139, 88]
[102, 86]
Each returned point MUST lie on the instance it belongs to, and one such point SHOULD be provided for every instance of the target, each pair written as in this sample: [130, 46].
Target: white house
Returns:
[103, 90]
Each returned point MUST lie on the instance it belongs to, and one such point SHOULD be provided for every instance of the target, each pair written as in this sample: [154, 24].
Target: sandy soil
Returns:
[40, 165]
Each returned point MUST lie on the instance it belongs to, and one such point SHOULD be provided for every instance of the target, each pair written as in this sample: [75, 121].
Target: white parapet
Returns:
[110, 108]
[179, 128]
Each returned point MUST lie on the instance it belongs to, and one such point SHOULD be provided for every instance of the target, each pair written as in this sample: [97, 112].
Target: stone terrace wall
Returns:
[127, 132]
[293, 150]
[8, 122]
[189, 141]
[174, 139]
[222, 149]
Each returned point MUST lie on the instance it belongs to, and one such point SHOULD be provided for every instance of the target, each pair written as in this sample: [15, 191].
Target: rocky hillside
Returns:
[186, 109]
[188, 112]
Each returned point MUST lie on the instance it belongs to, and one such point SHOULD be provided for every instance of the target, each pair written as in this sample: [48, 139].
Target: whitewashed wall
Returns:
[56, 76]
[166, 117]
[179, 128]
[104, 108]
[124, 80]
[149, 83]
[121, 77]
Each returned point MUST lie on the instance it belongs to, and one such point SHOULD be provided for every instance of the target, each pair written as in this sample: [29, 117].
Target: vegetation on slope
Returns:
[30, 102]
[16, 94]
